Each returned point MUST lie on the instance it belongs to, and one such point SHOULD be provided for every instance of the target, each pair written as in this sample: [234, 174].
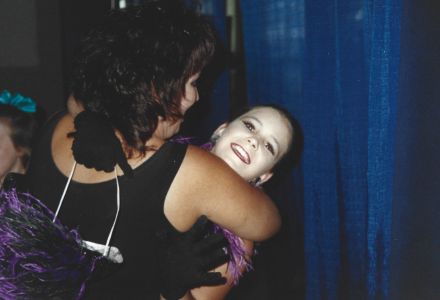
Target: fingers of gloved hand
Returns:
[213, 259]
[198, 230]
[209, 279]
[211, 242]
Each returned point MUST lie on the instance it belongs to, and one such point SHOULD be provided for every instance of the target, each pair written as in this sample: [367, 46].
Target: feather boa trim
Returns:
[238, 262]
[39, 259]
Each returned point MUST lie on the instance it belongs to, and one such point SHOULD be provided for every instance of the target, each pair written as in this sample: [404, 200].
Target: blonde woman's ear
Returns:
[264, 177]
[218, 132]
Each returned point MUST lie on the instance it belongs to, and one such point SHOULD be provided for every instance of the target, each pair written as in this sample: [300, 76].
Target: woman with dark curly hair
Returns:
[106, 168]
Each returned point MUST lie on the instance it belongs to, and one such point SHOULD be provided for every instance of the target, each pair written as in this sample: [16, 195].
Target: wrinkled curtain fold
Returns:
[273, 45]
[361, 77]
[334, 65]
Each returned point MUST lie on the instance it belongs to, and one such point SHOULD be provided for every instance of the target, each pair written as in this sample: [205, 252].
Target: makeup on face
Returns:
[253, 143]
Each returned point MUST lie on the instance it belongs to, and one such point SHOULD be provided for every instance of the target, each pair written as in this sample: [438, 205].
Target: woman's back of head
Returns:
[132, 67]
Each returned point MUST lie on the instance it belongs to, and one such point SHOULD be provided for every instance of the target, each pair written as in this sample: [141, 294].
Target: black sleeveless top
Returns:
[91, 209]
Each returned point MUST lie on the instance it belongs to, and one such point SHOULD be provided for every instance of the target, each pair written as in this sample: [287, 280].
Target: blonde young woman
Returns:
[252, 144]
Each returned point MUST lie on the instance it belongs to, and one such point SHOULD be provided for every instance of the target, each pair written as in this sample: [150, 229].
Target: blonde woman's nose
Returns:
[253, 142]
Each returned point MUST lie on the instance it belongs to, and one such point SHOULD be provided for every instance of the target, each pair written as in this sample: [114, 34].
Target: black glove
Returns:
[95, 144]
[187, 259]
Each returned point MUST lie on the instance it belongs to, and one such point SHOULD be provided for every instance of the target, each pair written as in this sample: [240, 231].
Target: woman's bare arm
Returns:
[205, 185]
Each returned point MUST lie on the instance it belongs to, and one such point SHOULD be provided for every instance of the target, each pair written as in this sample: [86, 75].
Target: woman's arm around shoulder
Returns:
[206, 185]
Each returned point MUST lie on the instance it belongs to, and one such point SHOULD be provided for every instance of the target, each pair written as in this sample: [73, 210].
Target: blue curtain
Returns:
[361, 76]
[351, 76]
[334, 65]
[273, 40]
[215, 102]
[273, 44]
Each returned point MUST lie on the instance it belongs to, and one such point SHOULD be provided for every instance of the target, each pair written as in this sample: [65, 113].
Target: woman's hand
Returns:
[188, 257]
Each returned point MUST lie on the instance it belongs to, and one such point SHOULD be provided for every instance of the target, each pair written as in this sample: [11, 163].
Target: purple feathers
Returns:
[38, 258]
[238, 262]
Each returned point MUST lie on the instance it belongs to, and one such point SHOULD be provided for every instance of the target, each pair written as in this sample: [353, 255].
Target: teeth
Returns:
[241, 153]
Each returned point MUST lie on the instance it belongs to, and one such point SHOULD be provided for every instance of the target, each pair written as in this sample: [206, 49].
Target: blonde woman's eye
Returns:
[249, 126]
[270, 148]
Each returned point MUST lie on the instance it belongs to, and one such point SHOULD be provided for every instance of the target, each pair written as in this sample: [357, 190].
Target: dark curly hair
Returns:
[132, 68]
[23, 129]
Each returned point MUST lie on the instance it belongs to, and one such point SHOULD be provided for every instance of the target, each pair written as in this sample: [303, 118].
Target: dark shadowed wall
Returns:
[38, 39]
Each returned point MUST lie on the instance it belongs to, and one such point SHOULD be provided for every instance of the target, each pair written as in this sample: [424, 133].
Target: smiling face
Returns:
[253, 143]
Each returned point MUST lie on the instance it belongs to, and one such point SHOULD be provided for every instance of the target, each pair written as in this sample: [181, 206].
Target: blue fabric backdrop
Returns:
[367, 189]
[217, 101]
[273, 43]
[334, 65]
[273, 40]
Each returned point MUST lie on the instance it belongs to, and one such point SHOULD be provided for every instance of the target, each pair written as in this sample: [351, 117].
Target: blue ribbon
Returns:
[25, 104]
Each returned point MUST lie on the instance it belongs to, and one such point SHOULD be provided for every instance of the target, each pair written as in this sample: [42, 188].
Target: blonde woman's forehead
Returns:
[275, 122]
[263, 111]
[268, 114]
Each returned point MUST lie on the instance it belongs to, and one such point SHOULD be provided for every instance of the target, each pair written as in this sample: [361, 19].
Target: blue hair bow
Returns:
[25, 104]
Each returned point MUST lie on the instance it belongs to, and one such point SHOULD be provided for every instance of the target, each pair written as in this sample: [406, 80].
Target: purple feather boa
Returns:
[238, 262]
[39, 259]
